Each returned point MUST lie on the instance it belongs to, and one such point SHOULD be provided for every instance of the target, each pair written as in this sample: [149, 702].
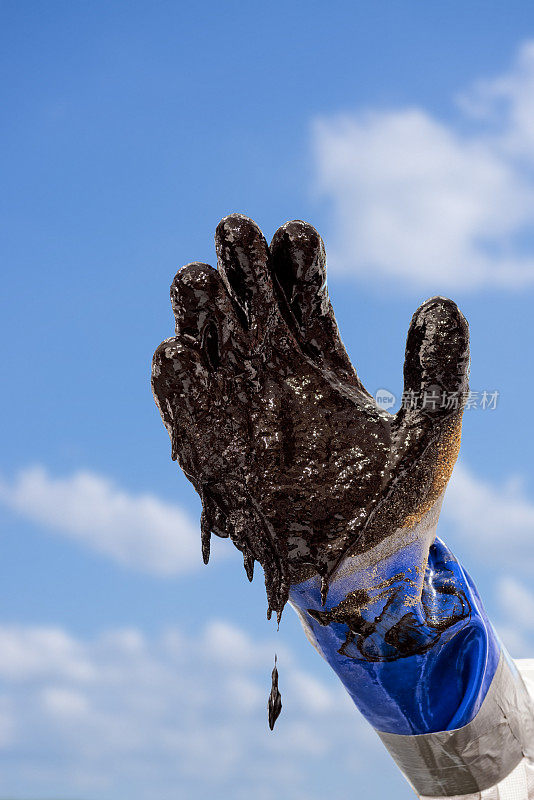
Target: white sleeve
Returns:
[519, 784]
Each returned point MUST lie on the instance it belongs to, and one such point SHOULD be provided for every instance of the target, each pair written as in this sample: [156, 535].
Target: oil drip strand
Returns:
[274, 705]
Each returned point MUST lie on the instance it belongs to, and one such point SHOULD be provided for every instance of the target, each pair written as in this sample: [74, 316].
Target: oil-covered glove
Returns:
[336, 499]
[291, 456]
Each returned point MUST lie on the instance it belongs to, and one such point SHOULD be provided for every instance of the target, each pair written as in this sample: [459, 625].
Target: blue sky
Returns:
[405, 133]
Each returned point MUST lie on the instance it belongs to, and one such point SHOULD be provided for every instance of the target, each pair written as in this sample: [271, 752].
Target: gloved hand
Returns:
[291, 456]
[337, 499]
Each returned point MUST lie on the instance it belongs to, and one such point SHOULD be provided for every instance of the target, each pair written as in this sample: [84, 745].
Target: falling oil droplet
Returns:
[275, 698]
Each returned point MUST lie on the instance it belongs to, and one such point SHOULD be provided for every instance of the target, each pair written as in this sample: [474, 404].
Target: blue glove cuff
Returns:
[412, 644]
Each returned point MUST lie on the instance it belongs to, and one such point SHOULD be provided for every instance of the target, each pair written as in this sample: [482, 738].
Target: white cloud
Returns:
[517, 601]
[35, 653]
[140, 716]
[515, 621]
[137, 531]
[60, 702]
[496, 522]
[438, 205]
[310, 693]
[507, 103]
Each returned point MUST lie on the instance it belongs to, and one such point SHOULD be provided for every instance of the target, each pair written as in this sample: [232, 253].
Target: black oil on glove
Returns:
[291, 456]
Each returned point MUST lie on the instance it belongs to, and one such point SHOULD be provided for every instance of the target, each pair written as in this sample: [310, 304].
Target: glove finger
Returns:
[243, 263]
[204, 315]
[181, 386]
[298, 265]
[183, 389]
[427, 431]
[436, 366]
